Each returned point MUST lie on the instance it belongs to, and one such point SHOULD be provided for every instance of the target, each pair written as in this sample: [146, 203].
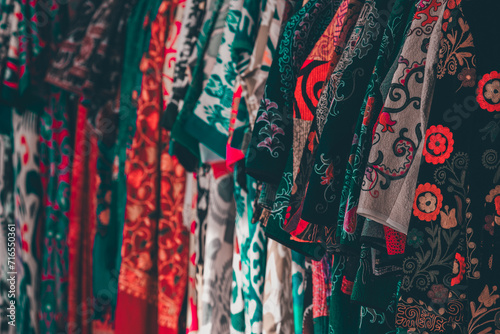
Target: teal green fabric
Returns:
[298, 289]
[247, 298]
[208, 45]
[209, 123]
[107, 246]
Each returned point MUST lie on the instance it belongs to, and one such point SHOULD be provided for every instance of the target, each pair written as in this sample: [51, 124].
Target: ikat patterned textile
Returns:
[249, 263]
[8, 24]
[172, 44]
[7, 222]
[186, 57]
[28, 194]
[207, 48]
[209, 123]
[11, 62]
[218, 261]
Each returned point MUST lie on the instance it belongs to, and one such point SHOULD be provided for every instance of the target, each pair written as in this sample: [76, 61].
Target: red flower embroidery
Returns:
[386, 121]
[488, 92]
[438, 144]
[428, 202]
[458, 269]
[328, 178]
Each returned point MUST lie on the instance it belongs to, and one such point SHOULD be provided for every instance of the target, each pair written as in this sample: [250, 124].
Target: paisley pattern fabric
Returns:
[450, 263]
[112, 188]
[322, 290]
[394, 157]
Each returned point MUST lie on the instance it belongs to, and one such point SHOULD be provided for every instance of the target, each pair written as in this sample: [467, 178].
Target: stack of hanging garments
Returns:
[250, 166]
[362, 171]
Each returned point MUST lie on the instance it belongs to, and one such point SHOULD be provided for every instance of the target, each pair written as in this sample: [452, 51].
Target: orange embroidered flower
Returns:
[310, 139]
[448, 217]
[438, 144]
[428, 202]
[468, 77]
[488, 92]
[104, 217]
[458, 269]
[488, 298]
